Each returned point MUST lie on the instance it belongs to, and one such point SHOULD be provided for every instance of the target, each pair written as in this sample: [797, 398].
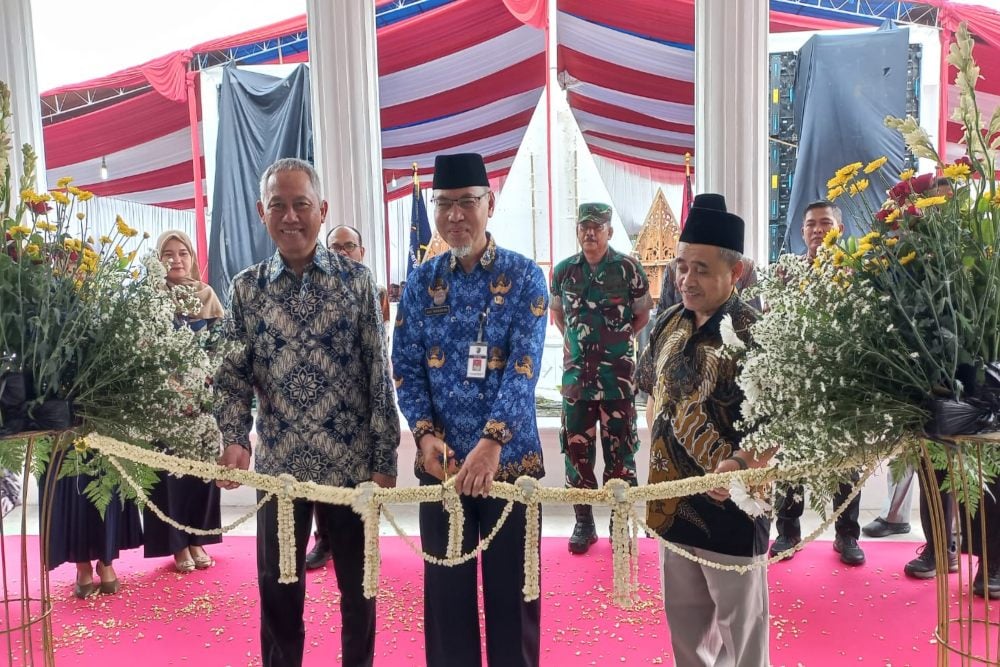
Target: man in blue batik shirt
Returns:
[466, 354]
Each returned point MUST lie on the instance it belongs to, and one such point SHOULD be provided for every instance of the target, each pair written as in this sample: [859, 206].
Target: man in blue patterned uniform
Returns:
[314, 352]
[466, 354]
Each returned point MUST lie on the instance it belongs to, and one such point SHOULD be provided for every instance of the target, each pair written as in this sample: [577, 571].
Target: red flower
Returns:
[964, 160]
[913, 211]
[900, 191]
[882, 214]
[918, 184]
[40, 208]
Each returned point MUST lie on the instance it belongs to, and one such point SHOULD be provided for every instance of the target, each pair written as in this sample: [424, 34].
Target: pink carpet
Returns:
[822, 613]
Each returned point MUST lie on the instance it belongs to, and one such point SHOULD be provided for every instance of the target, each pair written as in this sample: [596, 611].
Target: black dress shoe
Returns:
[850, 552]
[992, 582]
[319, 556]
[784, 543]
[882, 528]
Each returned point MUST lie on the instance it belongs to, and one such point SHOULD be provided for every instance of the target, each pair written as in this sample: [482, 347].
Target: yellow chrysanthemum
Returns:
[45, 226]
[75, 191]
[893, 215]
[906, 174]
[849, 170]
[863, 249]
[63, 182]
[833, 193]
[928, 202]
[839, 257]
[836, 181]
[119, 252]
[131, 256]
[85, 195]
[870, 236]
[72, 244]
[957, 172]
[124, 229]
[32, 249]
[859, 187]
[875, 164]
[60, 197]
[28, 195]
[19, 230]
[831, 237]
[907, 258]
[105, 239]
[891, 241]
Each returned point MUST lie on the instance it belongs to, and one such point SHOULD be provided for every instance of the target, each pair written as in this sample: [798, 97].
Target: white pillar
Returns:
[730, 105]
[17, 69]
[346, 128]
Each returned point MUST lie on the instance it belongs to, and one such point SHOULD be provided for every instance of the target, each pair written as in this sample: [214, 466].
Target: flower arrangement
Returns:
[894, 333]
[89, 337]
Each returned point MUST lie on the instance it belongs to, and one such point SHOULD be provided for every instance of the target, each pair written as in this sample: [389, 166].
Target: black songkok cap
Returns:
[460, 170]
[709, 200]
[708, 223]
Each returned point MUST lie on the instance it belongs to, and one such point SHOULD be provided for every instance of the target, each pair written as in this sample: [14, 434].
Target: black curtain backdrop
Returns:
[261, 119]
[845, 87]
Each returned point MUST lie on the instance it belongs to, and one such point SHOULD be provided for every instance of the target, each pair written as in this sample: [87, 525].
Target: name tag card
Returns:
[476, 368]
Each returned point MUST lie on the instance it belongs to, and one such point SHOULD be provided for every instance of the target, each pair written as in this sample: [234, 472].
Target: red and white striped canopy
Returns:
[462, 77]
[628, 70]
[457, 75]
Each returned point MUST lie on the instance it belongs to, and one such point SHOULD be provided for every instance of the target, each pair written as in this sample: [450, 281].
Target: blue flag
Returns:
[420, 228]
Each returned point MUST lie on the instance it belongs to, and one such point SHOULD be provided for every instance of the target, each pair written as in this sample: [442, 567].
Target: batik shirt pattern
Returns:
[314, 351]
[599, 305]
[696, 402]
[438, 318]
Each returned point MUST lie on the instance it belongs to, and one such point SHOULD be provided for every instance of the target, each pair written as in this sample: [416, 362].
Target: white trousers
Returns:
[716, 618]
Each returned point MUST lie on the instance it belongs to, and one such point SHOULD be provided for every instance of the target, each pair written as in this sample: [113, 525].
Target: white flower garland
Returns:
[369, 501]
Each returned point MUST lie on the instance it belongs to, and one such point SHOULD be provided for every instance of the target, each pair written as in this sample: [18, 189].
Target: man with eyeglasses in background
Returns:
[599, 300]
[467, 350]
[344, 240]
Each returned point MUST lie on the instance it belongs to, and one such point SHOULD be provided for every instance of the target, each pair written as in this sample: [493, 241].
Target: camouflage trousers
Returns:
[578, 440]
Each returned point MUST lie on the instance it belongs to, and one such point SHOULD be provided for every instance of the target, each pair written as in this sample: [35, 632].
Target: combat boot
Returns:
[584, 533]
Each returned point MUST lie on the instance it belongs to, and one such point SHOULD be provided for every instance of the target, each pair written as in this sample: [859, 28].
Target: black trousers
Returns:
[451, 601]
[282, 630]
[990, 508]
[789, 510]
[947, 505]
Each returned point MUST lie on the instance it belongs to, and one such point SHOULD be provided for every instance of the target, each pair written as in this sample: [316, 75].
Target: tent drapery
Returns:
[530, 12]
[627, 66]
[845, 86]
[984, 24]
[486, 77]
[261, 119]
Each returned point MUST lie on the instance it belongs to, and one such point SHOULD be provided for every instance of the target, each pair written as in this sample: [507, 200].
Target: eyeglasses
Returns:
[591, 226]
[350, 246]
[464, 203]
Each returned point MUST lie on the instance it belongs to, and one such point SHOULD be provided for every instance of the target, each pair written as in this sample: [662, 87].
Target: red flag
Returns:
[688, 190]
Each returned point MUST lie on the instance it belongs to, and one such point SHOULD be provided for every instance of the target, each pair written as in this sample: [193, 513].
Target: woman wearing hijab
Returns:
[188, 500]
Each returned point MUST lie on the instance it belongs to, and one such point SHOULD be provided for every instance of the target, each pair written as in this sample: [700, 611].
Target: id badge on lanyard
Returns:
[476, 366]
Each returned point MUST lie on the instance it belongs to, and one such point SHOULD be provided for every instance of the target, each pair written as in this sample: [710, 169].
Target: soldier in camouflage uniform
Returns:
[600, 301]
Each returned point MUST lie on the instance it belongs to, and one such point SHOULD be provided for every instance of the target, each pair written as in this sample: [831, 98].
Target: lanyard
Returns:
[483, 316]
